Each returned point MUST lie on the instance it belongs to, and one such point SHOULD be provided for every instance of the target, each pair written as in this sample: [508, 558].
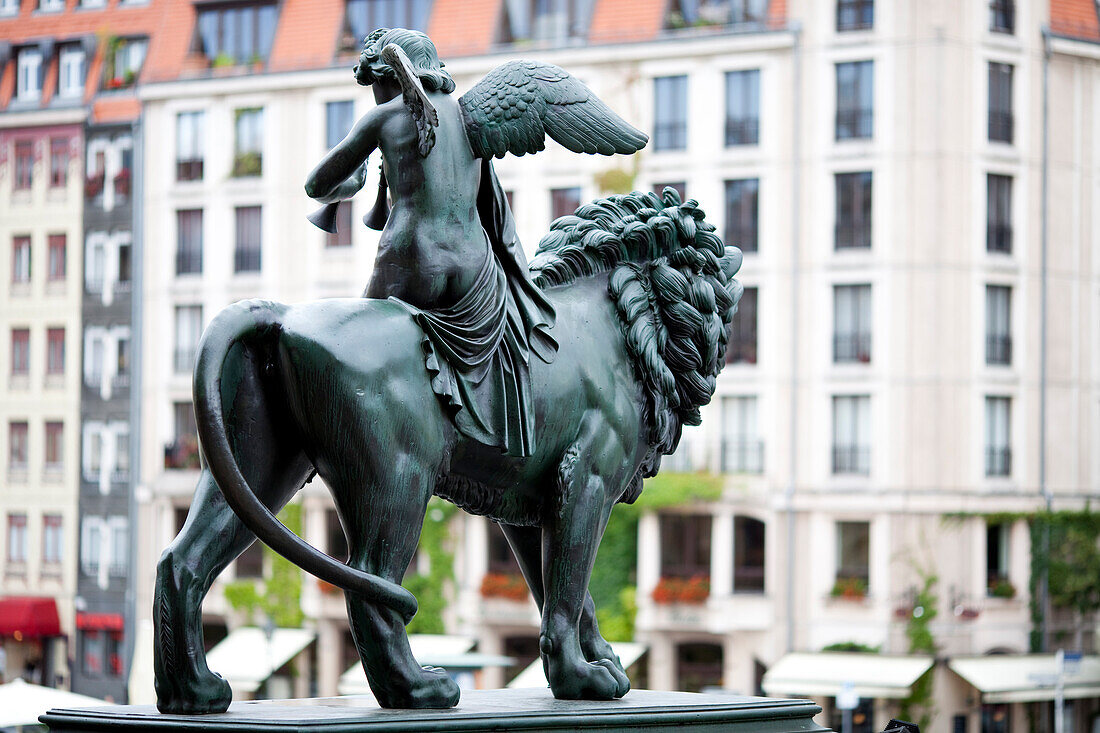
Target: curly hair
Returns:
[416, 45]
[673, 286]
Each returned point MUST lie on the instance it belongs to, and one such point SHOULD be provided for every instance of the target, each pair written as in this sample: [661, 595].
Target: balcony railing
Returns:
[189, 170]
[120, 475]
[748, 579]
[998, 237]
[246, 260]
[998, 349]
[854, 15]
[183, 453]
[120, 380]
[189, 261]
[741, 350]
[1000, 126]
[743, 455]
[852, 347]
[854, 124]
[853, 236]
[117, 570]
[670, 136]
[998, 461]
[1002, 16]
[852, 459]
[742, 131]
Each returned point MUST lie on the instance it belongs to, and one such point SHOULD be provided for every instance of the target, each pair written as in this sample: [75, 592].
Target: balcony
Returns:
[93, 185]
[741, 349]
[998, 349]
[852, 459]
[853, 235]
[998, 461]
[852, 347]
[716, 614]
[182, 454]
[189, 261]
[998, 238]
[189, 170]
[246, 260]
[854, 124]
[120, 380]
[742, 131]
[1001, 125]
[743, 455]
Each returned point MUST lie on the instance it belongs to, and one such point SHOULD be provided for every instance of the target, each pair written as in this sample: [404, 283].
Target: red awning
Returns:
[99, 621]
[28, 617]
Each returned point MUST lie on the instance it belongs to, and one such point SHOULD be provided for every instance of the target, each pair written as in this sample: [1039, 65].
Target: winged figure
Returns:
[448, 247]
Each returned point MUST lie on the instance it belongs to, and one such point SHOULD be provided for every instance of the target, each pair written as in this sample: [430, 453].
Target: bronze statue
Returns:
[428, 385]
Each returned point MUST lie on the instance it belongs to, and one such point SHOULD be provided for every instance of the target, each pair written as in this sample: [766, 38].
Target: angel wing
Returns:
[414, 97]
[519, 103]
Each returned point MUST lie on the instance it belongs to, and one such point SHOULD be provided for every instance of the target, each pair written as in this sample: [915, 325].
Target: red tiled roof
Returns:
[115, 109]
[1075, 18]
[464, 27]
[622, 21]
[307, 34]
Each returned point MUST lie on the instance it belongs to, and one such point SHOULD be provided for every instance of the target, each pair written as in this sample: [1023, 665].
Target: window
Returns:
[742, 213]
[115, 667]
[94, 459]
[854, 100]
[183, 452]
[29, 69]
[246, 256]
[853, 210]
[119, 531]
[51, 5]
[342, 236]
[189, 145]
[337, 540]
[59, 162]
[55, 351]
[363, 16]
[1000, 102]
[852, 324]
[698, 667]
[501, 558]
[17, 446]
[741, 346]
[1002, 16]
[240, 34]
[24, 165]
[670, 113]
[998, 229]
[123, 66]
[545, 20]
[122, 456]
[70, 72]
[20, 259]
[339, 117]
[20, 352]
[998, 324]
[685, 545]
[188, 333]
[250, 563]
[742, 12]
[996, 558]
[853, 552]
[852, 435]
[122, 368]
[95, 176]
[9, 7]
[659, 189]
[53, 539]
[91, 545]
[95, 264]
[93, 649]
[743, 107]
[56, 255]
[17, 538]
[189, 242]
[125, 264]
[564, 201]
[748, 555]
[248, 150]
[742, 449]
[998, 450]
[854, 15]
[55, 457]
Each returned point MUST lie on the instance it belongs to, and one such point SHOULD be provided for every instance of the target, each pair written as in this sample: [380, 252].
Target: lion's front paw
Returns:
[584, 681]
[202, 693]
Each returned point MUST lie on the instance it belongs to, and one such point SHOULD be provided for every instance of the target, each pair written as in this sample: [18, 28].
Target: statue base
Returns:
[479, 710]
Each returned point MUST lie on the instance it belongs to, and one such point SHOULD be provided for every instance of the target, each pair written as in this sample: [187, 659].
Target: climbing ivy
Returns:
[430, 587]
[281, 600]
[612, 584]
[918, 630]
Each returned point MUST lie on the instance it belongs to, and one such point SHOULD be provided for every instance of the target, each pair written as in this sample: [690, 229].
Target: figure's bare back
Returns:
[433, 245]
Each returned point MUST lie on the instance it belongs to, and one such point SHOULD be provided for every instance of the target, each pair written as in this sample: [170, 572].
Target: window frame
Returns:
[853, 343]
[248, 242]
[23, 155]
[190, 129]
[854, 224]
[670, 113]
[189, 241]
[30, 65]
[70, 83]
[743, 197]
[743, 344]
[742, 129]
[852, 447]
[855, 100]
[55, 350]
[1000, 103]
[20, 346]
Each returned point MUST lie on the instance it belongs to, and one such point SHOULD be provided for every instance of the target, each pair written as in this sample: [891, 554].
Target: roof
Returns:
[1075, 19]
[247, 656]
[1027, 677]
[827, 673]
[533, 675]
[29, 617]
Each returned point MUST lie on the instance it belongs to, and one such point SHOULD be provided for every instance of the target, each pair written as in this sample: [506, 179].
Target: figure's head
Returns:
[416, 45]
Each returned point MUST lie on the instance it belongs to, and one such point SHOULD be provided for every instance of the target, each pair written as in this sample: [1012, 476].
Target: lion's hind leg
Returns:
[274, 465]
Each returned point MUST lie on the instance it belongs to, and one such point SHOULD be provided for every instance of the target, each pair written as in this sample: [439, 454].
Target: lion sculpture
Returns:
[644, 294]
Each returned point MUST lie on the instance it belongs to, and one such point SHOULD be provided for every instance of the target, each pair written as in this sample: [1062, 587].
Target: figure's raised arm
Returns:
[342, 172]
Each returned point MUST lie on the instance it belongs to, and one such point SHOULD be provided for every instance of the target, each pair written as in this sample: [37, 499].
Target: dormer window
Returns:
[124, 59]
[364, 16]
[237, 34]
[708, 13]
[9, 8]
[545, 20]
[29, 74]
[70, 72]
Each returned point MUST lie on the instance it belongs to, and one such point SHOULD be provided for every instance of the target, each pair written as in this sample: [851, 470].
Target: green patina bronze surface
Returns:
[537, 396]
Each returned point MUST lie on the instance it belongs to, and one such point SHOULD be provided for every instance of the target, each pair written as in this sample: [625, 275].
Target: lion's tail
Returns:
[259, 321]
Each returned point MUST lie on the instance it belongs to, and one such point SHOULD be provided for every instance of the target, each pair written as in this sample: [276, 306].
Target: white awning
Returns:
[246, 658]
[1026, 677]
[825, 673]
[21, 702]
[532, 676]
[430, 650]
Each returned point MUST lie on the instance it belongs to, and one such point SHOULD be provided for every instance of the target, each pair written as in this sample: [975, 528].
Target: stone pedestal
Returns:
[479, 710]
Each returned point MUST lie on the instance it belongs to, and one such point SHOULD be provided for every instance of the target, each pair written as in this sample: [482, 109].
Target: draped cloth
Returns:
[478, 350]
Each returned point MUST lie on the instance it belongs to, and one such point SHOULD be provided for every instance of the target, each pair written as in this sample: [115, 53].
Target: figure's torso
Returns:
[433, 245]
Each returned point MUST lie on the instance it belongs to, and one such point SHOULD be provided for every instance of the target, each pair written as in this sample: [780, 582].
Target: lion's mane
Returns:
[674, 298]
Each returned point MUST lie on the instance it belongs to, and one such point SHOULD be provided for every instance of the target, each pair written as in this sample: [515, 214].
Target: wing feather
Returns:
[519, 103]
